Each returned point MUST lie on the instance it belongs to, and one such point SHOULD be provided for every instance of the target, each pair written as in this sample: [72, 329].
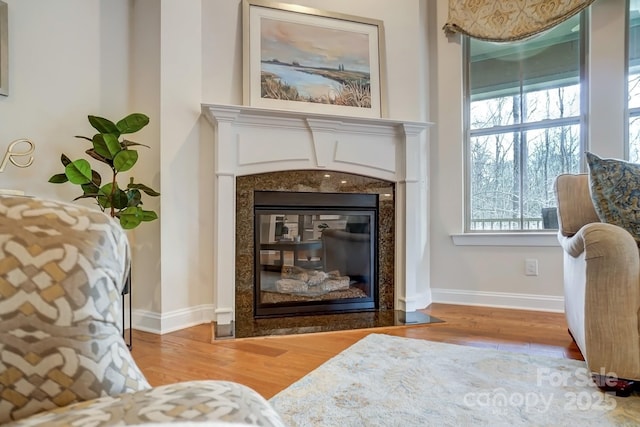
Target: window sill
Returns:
[545, 238]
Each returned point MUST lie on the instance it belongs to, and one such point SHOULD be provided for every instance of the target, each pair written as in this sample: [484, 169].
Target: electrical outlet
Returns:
[531, 267]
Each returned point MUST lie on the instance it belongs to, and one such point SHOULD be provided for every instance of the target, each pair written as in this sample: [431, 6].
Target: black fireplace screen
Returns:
[315, 253]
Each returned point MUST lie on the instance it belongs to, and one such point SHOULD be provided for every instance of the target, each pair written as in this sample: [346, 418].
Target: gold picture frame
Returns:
[4, 49]
[308, 60]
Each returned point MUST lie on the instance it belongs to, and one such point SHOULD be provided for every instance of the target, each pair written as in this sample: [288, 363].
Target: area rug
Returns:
[384, 380]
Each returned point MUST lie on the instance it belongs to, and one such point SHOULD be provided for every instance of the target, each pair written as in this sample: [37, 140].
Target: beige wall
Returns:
[494, 275]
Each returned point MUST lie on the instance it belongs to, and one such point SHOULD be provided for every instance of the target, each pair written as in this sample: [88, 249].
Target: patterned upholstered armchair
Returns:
[63, 360]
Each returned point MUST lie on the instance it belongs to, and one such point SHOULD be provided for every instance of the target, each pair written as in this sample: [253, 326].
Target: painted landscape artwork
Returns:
[314, 64]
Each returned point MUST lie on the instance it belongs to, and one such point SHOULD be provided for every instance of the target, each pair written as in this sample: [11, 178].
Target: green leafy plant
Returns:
[122, 203]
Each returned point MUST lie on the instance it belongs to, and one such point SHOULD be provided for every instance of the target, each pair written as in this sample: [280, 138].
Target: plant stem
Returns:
[114, 185]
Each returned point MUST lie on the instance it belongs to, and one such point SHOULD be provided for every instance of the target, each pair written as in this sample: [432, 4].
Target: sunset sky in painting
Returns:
[313, 46]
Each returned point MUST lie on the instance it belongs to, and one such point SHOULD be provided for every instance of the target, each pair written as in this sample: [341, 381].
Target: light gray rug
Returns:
[384, 380]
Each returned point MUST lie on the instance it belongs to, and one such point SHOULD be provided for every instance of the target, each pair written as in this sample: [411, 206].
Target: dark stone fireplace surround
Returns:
[310, 181]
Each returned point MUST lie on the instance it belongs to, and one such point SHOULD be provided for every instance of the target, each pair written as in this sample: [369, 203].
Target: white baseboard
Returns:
[499, 299]
[149, 321]
[414, 303]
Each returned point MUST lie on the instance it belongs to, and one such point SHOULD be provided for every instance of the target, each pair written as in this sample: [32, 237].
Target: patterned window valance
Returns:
[508, 20]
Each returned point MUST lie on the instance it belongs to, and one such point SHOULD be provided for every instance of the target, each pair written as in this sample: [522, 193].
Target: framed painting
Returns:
[303, 59]
[4, 49]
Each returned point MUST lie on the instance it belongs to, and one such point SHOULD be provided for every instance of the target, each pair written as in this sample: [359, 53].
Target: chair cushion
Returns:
[62, 270]
[207, 402]
[615, 192]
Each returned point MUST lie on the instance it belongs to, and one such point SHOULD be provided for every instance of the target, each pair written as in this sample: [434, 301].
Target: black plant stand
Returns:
[127, 291]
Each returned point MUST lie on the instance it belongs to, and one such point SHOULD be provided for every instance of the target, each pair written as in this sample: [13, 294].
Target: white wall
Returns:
[65, 62]
[181, 94]
[405, 38]
[69, 59]
[145, 97]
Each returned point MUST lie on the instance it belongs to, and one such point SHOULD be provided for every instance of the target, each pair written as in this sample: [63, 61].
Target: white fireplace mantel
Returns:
[251, 140]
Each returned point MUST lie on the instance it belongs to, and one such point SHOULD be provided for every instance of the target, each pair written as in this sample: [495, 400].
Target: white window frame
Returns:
[515, 237]
[629, 112]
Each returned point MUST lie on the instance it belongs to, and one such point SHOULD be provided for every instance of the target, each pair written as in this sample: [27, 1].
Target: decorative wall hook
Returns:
[12, 153]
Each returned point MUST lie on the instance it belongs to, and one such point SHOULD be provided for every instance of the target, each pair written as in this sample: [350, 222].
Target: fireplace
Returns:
[258, 149]
[273, 206]
[314, 253]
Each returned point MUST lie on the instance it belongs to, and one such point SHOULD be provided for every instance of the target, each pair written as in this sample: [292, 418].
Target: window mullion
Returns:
[542, 124]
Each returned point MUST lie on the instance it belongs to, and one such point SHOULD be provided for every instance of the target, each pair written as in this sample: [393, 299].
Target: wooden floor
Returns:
[270, 364]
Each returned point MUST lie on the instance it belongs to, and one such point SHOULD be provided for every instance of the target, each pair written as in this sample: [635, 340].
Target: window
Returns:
[633, 73]
[523, 118]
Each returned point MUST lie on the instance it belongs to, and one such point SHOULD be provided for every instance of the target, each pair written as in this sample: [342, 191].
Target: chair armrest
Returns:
[612, 294]
[600, 239]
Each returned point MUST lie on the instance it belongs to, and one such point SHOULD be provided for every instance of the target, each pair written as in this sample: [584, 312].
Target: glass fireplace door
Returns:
[314, 258]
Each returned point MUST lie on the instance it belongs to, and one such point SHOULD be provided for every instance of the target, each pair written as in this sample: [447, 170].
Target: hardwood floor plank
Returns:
[270, 364]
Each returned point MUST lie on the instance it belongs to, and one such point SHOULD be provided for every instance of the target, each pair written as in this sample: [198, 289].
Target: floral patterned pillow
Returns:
[615, 191]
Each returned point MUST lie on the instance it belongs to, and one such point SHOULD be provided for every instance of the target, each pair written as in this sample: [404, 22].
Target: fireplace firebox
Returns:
[315, 253]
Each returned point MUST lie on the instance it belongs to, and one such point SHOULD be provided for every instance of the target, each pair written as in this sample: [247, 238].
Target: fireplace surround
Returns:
[250, 142]
[311, 182]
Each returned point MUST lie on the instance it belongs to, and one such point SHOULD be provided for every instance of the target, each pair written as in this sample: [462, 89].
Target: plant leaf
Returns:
[91, 152]
[65, 160]
[96, 179]
[130, 217]
[100, 146]
[78, 172]
[135, 198]
[93, 187]
[112, 143]
[128, 143]
[90, 190]
[58, 178]
[132, 123]
[112, 197]
[120, 199]
[86, 196]
[84, 137]
[104, 195]
[147, 190]
[103, 125]
[149, 215]
[124, 160]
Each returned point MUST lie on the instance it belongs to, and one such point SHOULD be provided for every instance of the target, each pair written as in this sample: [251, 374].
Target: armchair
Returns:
[601, 287]
[63, 360]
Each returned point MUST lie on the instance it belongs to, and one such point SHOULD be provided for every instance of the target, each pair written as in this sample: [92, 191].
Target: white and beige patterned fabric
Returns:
[509, 20]
[63, 360]
[193, 401]
[62, 270]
